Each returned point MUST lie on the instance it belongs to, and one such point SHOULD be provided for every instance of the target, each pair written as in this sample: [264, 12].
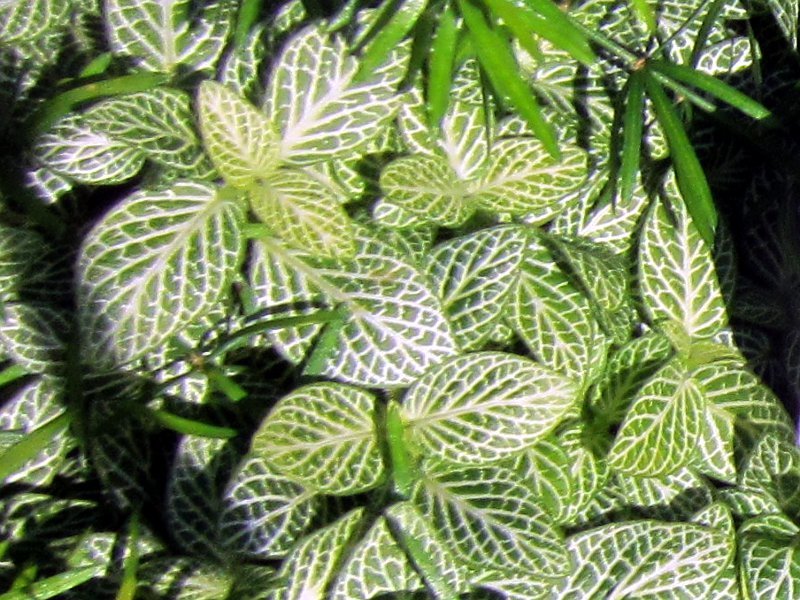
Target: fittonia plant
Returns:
[310, 305]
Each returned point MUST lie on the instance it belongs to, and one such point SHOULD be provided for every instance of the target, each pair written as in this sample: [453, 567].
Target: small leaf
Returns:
[324, 436]
[485, 406]
[239, 139]
[662, 426]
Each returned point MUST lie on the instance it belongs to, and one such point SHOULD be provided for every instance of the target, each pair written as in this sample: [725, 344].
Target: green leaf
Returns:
[785, 13]
[557, 21]
[392, 25]
[711, 85]
[161, 35]
[492, 521]
[773, 467]
[318, 104]
[264, 513]
[15, 461]
[239, 139]
[715, 447]
[473, 276]
[482, 407]
[22, 252]
[523, 178]
[441, 62]
[309, 569]
[25, 20]
[677, 276]
[324, 436]
[52, 587]
[554, 319]
[770, 566]
[304, 213]
[663, 425]
[376, 566]
[689, 173]
[464, 136]
[156, 262]
[632, 123]
[646, 558]
[33, 334]
[426, 186]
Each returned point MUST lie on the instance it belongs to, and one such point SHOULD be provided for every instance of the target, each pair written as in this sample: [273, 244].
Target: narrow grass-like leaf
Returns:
[500, 66]
[645, 13]
[11, 373]
[691, 179]
[53, 586]
[440, 66]
[632, 124]
[31, 445]
[712, 85]
[391, 26]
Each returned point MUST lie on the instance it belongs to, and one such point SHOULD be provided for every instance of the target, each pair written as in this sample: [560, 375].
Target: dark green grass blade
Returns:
[392, 25]
[691, 179]
[632, 125]
[31, 445]
[440, 66]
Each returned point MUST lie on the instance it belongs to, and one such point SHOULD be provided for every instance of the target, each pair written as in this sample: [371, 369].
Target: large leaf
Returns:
[156, 262]
[485, 406]
[319, 106]
[492, 521]
[773, 467]
[324, 436]
[770, 566]
[24, 20]
[662, 426]
[239, 139]
[33, 334]
[676, 271]
[646, 559]
[473, 276]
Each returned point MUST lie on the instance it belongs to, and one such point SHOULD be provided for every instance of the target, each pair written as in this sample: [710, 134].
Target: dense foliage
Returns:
[447, 299]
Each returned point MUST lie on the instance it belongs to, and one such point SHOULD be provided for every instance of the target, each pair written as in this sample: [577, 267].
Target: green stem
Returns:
[402, 463]
[190, 426]
[127, 589]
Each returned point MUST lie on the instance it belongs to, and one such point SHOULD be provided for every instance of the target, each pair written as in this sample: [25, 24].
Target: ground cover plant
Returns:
[398, 300]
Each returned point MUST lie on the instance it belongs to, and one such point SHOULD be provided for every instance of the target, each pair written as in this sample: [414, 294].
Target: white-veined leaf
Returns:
[184, 578]
[553, 318]
[155, 263]
[324, 436]
[747, 503]
[73, 149]
[34, 335]
[376, 566]
[662, 426]
[304, 213]
[714, 455]
[492, 521]
[389, 214]
[240, 140]
[264, 513]
[321, 110]
[646, 559]
[676, 272]
[774, 525]
[524, 179]
[770, 566]
[160, 35]
[464, 139]
[426, 187]
[310, 567]
[485, 406]
[240, 68]
[473, 275]
[21, 252]
[773, 467]
[25, 20]
[785, 13]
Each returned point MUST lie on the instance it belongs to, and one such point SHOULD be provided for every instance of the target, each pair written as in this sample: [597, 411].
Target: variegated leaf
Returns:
[484, 406]
[264, 513]
[492, 520]
[22, 251]
[464, 139]
[318, 104]
[714, 455]
[25, 20]
[324, 436]
[770, 566]
[773, 467]
[473, 275]
[676, 272]
[663, 425]
[34, 335]
[156, 262]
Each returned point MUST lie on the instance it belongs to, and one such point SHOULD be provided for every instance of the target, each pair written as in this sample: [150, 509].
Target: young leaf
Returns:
[473, 276]
[320, 107]
[485, 406]
[676, 272]
[324, 436]
[662, 426]
[689, 173]
[304, 213]
[492, 521]
[239, 139]
[156, 262]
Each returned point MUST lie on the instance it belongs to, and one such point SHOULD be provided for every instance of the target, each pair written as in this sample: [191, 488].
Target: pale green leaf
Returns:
[464, 138]
[34, 335]
[310, 567]
[646, 559]
[524, 179]
[324, 436]
[663, 425]
[746, 504]
[156, 262]
[264, 513]
[715, 447]
[389, 214]
[376, 566]
[676, 271]
[426, 187]
[770, 566]
[553, 318]
[25, 20]
[773, 467]
[240, 68]
[240, 140]
[304, 213]
[473, 275]
[773, 525]
[74, 150]
[485, 406]
[161, 35]
[316, 102]
[491, 519]
[183, 578]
